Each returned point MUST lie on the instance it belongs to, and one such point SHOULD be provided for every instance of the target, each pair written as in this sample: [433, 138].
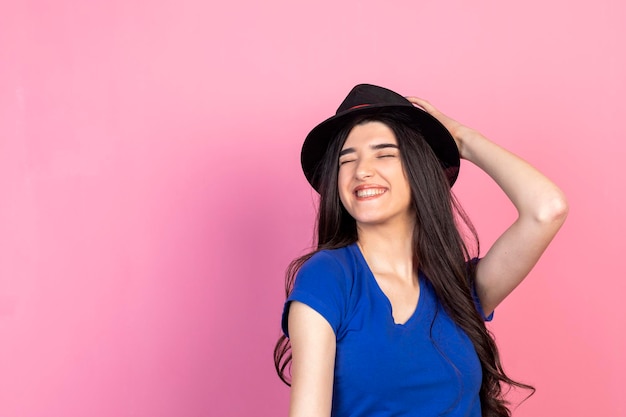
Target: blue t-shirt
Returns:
[424, 367]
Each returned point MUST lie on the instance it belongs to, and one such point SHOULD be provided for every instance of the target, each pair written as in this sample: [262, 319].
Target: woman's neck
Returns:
[388, 249]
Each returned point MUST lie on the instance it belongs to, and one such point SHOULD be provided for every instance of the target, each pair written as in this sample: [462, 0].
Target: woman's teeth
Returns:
[369, 192]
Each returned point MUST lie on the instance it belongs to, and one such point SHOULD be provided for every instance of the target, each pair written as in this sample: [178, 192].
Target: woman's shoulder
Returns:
[337, 266]
[325, 283]
[342, 258]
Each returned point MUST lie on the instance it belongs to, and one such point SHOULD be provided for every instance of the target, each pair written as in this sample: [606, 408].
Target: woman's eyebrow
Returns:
[384, 145]
[373, 147]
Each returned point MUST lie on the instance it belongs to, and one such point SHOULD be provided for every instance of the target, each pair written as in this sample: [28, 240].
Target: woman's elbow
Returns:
[554, 209]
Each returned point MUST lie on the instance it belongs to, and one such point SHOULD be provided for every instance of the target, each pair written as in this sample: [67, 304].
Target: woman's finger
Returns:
[424, 104]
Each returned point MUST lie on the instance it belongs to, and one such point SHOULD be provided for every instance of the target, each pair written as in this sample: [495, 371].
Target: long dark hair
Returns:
[439, 249]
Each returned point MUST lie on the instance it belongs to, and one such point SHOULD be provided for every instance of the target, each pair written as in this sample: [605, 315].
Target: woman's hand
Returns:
[458, 131]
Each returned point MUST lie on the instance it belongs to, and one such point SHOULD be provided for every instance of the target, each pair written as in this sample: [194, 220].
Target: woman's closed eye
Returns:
[387, 155]
[346, 161]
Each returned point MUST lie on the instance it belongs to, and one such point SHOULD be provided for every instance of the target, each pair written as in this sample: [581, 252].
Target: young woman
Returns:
[387, 316]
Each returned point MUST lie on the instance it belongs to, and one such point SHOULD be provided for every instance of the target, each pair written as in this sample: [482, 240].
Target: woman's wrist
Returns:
[467, 140]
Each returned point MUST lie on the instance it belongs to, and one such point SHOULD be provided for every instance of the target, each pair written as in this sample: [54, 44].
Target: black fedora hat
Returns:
[365, 99]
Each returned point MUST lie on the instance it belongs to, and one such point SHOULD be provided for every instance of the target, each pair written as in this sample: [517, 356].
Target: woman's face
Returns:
[372, 184]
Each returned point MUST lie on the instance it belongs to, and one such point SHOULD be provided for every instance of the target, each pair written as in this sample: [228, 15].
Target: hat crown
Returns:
[367, 99]
[364, 95]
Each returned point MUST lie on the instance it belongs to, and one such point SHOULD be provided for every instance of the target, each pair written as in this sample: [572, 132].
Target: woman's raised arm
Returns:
[541, 206]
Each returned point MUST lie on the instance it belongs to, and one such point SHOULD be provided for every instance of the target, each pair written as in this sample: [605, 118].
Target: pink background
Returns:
[151, 195]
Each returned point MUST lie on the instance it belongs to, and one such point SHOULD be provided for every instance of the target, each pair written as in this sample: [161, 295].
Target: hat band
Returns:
[359, 106]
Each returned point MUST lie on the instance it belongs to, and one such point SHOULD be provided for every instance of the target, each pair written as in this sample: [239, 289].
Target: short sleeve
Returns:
[322, 285]
[475, 297]
[479, 307]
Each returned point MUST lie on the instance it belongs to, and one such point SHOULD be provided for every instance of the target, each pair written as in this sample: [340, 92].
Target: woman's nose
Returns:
[364, 169]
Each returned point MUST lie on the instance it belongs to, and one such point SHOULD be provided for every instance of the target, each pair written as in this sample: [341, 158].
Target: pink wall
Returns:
[150, 191]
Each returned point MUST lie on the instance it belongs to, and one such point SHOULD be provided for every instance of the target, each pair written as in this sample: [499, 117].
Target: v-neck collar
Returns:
[421, 299]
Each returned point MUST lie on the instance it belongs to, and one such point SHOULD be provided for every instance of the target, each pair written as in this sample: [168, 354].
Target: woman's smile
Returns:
[368, 192]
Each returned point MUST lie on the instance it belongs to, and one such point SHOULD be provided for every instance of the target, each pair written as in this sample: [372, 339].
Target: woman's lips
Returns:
[369, 192]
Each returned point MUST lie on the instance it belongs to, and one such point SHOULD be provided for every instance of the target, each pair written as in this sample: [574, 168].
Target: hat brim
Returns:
[436, 135]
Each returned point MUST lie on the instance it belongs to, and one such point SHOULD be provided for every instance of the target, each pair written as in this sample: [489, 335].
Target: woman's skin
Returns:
[385, 224]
